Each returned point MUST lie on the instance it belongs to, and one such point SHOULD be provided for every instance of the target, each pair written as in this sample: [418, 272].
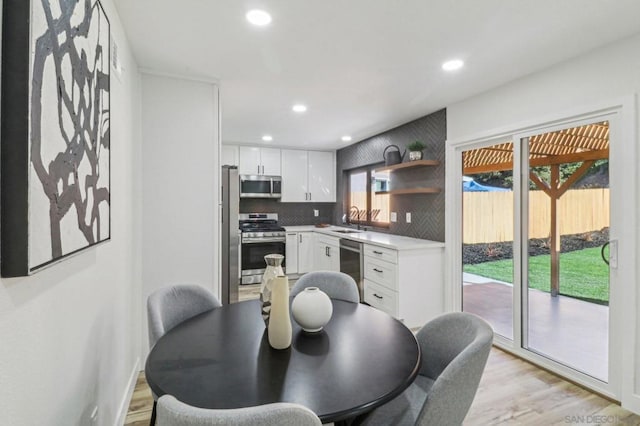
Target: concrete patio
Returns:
[570, 331]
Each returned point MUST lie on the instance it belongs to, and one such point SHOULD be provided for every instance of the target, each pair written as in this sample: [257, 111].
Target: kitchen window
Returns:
[364, 206]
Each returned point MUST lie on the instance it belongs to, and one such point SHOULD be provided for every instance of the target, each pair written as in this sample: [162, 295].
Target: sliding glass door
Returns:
[537, 259]
[566, 239]
[487, 235]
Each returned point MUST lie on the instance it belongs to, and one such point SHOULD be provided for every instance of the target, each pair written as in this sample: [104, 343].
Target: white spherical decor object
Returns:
[312, 309]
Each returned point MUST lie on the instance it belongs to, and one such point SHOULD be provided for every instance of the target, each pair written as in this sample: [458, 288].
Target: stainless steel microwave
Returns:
[260, 186]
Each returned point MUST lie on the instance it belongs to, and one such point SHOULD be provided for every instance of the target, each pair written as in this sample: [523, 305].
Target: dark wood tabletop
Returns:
[222, 359]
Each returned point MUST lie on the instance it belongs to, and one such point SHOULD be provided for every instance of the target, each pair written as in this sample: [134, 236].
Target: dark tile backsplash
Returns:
[427, 210]
[290, 214]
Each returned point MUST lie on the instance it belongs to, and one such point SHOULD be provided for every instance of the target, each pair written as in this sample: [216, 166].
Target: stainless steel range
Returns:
[260, 235]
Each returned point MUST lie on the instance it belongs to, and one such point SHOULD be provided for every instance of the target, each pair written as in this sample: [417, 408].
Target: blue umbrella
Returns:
[470, 185]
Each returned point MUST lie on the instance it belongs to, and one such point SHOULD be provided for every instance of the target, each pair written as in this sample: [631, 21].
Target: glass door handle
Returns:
[604, 258]
[613, 254]
[612, 261]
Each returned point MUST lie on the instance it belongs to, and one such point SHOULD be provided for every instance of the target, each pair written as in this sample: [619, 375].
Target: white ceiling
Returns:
[361, 66]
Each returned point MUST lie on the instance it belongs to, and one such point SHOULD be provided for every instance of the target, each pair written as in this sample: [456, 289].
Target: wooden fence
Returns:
[379, 205]
[488, 216]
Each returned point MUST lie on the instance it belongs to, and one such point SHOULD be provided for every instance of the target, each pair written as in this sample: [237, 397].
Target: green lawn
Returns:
[583, 274]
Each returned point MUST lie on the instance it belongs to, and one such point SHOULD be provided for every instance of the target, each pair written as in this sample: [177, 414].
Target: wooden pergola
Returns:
[584, 144]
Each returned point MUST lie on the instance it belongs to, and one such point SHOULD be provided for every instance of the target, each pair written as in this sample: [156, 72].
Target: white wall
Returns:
[600, 77]
[606, 73]
[70, 334]
[179, 185]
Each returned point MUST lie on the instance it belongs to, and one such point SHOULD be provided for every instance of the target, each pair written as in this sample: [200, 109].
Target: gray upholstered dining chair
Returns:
[454, 349]
[337, 285]
[169, 306]
[172, 412]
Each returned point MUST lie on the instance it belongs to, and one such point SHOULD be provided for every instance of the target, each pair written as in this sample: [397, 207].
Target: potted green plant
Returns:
[415, 150]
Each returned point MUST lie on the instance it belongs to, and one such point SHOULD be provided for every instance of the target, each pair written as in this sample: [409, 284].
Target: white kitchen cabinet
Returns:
[321, 177]
[271, 162]
[249, 161]
[305, 252]
[407, 284]
[384, 273]
[229, 155]
[327, 254]
[294, 176]
[299, 252]
[308, 176]
[259, 161]
[291, 253]
[381, 297]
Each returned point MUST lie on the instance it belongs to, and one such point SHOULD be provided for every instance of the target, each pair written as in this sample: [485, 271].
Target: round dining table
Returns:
[221, 359]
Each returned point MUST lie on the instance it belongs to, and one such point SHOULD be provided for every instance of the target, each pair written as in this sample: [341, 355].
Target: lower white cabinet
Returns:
[381, 297]
[305, 252]
[291, 253]
[407, 284]
[327, 253]
[299, 256]
[381, 272]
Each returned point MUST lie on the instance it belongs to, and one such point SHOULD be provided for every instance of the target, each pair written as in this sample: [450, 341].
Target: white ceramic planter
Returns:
[312, 309]
[415, 155]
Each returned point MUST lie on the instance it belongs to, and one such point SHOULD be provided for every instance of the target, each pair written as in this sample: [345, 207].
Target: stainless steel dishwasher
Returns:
[351, 262]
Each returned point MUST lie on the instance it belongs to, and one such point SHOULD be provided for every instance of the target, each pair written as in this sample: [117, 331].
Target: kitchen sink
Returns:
[347, 231]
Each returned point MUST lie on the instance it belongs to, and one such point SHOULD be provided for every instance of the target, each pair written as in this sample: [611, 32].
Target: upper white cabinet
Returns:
[308, 176]
[270, 158]
[229, 155]
[294, 175]
[322, 177]
[259, 161]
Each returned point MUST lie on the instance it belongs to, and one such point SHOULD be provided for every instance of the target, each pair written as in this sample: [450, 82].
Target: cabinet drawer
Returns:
[381, 253]
[381, 272]
[381, 298]
[328, 240]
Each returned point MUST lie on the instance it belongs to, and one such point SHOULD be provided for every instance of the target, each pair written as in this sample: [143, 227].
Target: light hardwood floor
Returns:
[512, 392]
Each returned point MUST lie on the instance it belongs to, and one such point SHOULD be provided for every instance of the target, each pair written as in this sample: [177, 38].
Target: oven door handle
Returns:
[263, 240]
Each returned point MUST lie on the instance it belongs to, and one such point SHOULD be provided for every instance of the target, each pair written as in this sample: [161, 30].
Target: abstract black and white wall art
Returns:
[55, 159]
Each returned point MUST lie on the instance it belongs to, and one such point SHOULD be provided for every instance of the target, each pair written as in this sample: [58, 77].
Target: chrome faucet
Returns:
[357, 210]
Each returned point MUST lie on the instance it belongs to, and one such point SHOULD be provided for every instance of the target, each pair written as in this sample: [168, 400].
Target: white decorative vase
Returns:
[279, 330]
[274, 269]
[312, 309]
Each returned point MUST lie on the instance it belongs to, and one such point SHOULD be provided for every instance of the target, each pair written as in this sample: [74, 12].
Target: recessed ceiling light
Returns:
[299, 108]
[267, 138]
[346, 138]
[258, 17]
[452, 65]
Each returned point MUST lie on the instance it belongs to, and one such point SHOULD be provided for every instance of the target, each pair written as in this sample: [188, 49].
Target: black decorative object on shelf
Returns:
[393, 157]
[55, 159]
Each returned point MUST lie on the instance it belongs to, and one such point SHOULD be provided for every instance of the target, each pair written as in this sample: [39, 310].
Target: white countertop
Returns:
[303, 228]
[396, 242]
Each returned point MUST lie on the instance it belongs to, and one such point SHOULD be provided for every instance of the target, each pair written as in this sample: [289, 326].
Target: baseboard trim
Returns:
[632, 403]
[126, 398]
